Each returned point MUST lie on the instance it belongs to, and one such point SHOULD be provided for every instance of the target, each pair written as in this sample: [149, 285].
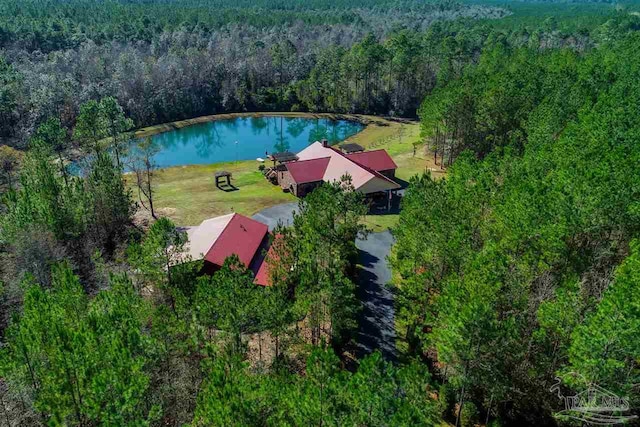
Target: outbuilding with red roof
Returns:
[216, 239]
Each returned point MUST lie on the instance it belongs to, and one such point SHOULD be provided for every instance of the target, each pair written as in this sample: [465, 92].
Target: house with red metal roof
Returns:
[215, 239]
[378, 160]
[371, 172]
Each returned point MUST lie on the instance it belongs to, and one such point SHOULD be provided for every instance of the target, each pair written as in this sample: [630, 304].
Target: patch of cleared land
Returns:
[188, 195]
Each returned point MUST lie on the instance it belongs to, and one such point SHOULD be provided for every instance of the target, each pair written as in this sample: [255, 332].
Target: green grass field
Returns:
[188, 195]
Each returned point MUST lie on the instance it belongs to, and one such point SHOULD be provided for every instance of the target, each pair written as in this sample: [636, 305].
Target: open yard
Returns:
[188, 195]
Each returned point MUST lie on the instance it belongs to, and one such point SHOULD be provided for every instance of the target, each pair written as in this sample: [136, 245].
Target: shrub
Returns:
[468, 415]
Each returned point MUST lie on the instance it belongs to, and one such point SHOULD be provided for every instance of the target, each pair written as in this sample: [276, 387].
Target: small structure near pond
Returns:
[283, 157]
[221, 175]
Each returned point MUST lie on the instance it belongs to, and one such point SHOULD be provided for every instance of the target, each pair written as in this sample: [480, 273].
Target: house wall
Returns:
[260, 255]
[304, 189]
[209, 268]
[285, 180]
[389, 173]
[299, 190]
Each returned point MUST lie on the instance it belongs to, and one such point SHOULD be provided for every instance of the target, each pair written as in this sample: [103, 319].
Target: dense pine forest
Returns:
[168, 61]
[518, 270]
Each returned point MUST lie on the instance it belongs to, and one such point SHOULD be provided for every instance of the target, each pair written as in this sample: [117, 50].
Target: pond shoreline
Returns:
[371, 126]
[370, 123]
[363, 119]
[187, 194]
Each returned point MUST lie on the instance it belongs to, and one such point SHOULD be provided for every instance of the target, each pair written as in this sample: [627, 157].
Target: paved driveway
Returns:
[377, 319]
[279, 213]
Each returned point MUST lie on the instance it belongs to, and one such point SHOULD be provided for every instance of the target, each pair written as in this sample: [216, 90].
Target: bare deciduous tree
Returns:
[144, 168]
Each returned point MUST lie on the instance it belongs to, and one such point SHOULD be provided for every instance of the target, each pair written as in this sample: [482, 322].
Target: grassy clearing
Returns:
[188, 195]
[397, 137]
[377, 223]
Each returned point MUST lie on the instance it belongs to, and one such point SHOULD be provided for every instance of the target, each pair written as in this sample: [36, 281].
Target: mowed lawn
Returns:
[188, 195]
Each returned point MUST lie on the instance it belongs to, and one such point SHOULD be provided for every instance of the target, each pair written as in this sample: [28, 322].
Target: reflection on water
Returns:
[246, 138]
[258, 125]
[295, 127]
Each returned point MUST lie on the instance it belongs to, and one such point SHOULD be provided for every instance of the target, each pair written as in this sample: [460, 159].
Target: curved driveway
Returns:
[376, 321]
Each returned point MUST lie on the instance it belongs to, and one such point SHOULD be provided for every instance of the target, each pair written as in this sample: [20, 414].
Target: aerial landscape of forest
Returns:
[319, 212]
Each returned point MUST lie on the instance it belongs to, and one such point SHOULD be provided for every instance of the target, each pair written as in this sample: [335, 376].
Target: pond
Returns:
[246, 138]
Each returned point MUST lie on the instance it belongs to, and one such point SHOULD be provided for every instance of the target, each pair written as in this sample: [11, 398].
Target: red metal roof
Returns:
[242, 236]
[263, 276]
[308, 170]
[378, 160]
[365, 167]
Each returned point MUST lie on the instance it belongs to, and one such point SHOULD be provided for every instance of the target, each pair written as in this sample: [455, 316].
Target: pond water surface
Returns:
[246, 138]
